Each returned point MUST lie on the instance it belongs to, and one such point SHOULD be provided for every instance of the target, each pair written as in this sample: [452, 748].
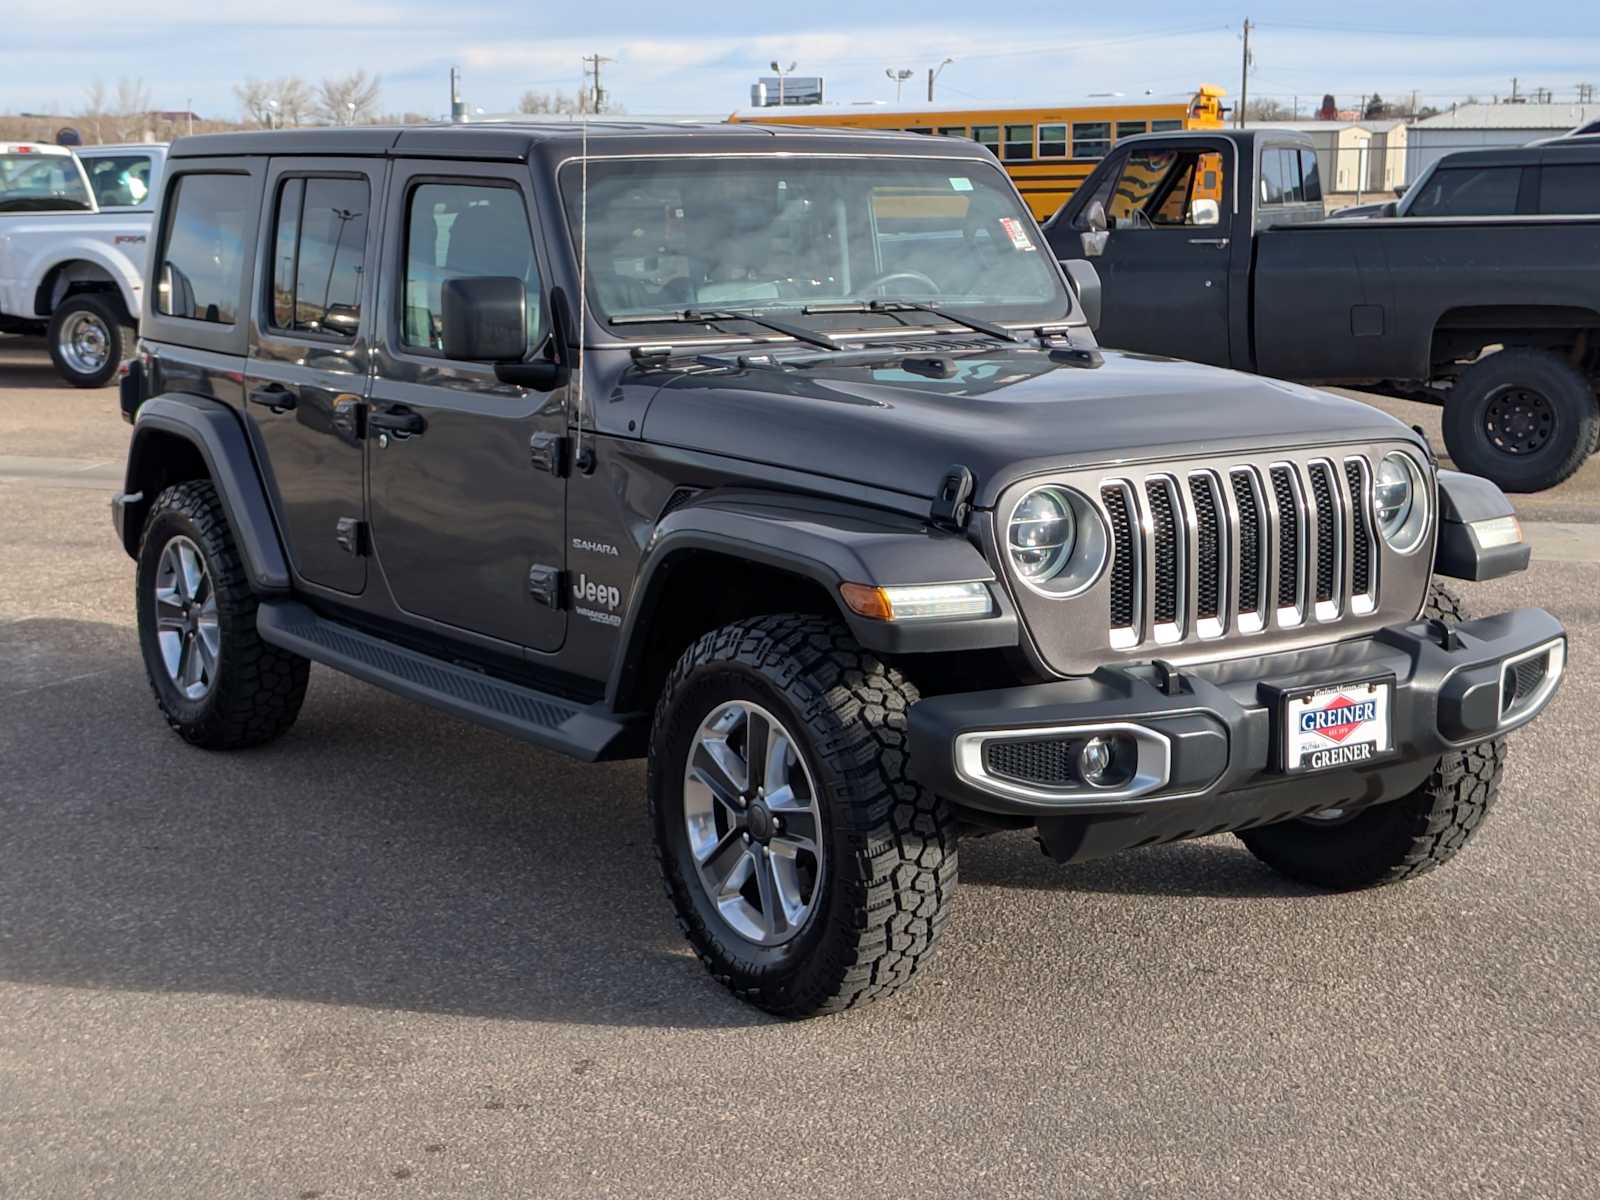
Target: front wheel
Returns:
[807, 869]
[1401, 838]
[89, 336]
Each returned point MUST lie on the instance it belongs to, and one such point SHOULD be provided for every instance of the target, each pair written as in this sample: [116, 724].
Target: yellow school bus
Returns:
[1048, 150]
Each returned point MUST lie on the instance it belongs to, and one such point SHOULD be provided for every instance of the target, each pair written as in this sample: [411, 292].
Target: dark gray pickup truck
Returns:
[1212, 248]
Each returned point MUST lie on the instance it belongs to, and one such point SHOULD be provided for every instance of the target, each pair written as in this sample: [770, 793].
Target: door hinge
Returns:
[545, 585]
[952, 504]
[548, 451]
[352, 536]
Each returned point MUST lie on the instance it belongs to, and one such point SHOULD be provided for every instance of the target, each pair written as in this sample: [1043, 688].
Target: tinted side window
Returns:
[1569, 189]
[120, 181]
[1019, 142]
[1468, 192]
[203, 250]
[317, 256]
[1309, 174]
[1091, 139]
[455, 230]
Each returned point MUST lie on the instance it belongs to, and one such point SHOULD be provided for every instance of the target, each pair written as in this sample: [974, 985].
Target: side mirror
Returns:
[1391, 208]
[1094, 217]
[1085, 282]
[485, 319]
[1206, 212]
[1400, 191]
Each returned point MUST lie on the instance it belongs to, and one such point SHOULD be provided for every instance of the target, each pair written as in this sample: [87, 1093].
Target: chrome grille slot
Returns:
[1235, 549]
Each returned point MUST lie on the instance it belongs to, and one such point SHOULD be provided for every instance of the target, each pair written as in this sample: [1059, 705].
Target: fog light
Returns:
[1107, 761]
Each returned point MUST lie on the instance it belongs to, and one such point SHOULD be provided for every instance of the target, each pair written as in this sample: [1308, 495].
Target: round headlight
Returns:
[1042, 534]
[1400, 501]
[1056, 541]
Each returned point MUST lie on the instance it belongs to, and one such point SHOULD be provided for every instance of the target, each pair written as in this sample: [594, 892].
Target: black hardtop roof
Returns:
[1524, 156]
[517, 142]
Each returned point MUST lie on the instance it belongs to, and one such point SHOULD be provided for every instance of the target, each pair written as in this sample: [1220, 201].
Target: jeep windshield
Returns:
[34, 182]
[808, 239]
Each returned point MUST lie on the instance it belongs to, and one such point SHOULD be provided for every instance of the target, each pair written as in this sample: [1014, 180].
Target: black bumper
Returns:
[1218, 722]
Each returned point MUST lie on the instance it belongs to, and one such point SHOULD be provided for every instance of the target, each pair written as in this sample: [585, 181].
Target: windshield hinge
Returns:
[548, 452]
[952, 504]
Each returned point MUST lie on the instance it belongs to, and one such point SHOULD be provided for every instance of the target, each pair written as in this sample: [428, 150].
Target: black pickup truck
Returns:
[1211, 247]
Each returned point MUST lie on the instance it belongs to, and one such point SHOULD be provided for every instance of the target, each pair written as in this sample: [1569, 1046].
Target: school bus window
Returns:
[1165, 126]
[1091, 139]
[923, 130]
[987, 136]
[1129, 129]
[1052, 141]
[952, 131]
[1019, 142]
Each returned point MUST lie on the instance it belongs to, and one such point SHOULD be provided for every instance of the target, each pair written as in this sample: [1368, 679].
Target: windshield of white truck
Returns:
[790, 234]
[41, 183]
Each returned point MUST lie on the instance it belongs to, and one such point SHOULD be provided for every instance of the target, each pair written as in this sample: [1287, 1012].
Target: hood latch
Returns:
[952, 504]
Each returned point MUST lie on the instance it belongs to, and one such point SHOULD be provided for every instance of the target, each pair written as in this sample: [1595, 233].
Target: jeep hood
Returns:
[1004, 415]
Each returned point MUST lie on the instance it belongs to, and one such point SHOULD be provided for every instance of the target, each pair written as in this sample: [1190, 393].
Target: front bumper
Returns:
[1208, 753]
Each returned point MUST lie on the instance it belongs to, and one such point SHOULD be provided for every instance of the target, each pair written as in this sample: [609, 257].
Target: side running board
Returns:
[587, 732]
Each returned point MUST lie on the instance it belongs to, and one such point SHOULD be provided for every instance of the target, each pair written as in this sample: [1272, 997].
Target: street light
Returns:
[272, 112]
[933, 74]
[781, 72]
[899, 75]
[351, 105]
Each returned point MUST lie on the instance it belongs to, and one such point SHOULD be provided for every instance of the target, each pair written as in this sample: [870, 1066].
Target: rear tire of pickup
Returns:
[1525, 419]
[219, 685]
[1401, 838]
[790, 706]
[89, 336]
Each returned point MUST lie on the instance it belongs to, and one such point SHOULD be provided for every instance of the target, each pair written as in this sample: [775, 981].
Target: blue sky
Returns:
[189, 53]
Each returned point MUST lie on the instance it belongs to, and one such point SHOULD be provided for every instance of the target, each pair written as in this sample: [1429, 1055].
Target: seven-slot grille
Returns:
[1202, 553]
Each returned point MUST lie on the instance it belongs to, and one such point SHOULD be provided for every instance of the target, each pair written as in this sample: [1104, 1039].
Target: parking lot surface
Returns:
[395, 955]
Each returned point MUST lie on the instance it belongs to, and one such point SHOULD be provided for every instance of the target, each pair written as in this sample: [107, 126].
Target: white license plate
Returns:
[1341, 726]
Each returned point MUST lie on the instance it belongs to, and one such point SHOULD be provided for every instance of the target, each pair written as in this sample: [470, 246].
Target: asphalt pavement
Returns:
[395, 955]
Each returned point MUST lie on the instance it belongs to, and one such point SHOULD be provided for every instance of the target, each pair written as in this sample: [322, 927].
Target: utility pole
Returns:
[1513, 89]
[1244, 77]
[458, 110]
[933, 73]
[597, 94]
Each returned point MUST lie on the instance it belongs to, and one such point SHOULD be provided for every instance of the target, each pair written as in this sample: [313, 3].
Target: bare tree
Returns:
[350, 99]
[1262, 109]
[275, 102]
[561, 103]
[123, 116]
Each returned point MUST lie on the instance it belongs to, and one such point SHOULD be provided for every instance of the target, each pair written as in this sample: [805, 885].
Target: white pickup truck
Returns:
[74, 232]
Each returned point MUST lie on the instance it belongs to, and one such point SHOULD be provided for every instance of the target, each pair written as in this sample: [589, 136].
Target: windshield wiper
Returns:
[705, 316]
[894, 306]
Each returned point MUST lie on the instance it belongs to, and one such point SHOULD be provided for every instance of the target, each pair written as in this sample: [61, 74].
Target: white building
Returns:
[1475, 126]
[1354, 158]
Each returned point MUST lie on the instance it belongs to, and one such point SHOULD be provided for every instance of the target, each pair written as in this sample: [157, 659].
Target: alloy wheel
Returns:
[187, 630]
[754, 824]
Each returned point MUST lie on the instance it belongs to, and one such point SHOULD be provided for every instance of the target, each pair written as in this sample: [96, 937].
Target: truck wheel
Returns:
[807, 869]
[219, 685]
[1525, 419]
[1400, 838]
[89, 337]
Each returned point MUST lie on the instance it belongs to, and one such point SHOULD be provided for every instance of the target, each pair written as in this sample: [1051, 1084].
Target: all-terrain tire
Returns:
[1568, 399]
[891, 846]
[1401, 838]
[106, 311]
[257, 689]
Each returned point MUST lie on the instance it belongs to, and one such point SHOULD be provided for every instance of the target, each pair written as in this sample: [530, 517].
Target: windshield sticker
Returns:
[1018, 235]
[959, 183]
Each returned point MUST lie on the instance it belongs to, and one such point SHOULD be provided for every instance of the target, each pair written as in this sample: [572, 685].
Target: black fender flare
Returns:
[1465, 500]
[215, 432]
[828, 543]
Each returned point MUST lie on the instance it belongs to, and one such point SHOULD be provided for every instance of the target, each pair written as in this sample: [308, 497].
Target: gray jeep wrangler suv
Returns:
[788, 460]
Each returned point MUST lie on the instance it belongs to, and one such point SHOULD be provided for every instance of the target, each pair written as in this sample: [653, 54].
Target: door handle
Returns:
[399, 420]
[275, 397]
[1219, 243]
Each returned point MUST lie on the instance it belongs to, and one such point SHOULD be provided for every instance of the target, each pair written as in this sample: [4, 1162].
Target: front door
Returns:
[1164, 261]
[306, 377]
[467, 520]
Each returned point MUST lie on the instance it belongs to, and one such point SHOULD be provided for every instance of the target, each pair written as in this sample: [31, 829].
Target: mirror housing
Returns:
[1391, 208]
[1085, 281]
[1206, 212]
[1094, 217]
[485, 319]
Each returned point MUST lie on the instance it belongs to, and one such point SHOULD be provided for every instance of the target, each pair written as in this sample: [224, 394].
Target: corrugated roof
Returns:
[1513, 116]
[1374, 126]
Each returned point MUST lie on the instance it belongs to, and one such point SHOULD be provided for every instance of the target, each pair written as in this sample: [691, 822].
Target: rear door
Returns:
[1165, 258]
[310, 352]
[468, 515]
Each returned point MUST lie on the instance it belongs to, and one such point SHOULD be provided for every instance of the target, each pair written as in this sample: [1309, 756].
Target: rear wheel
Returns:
[807, 869]
[1396, 840]
[1525, 419]
[219, 685]
[89, 336]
